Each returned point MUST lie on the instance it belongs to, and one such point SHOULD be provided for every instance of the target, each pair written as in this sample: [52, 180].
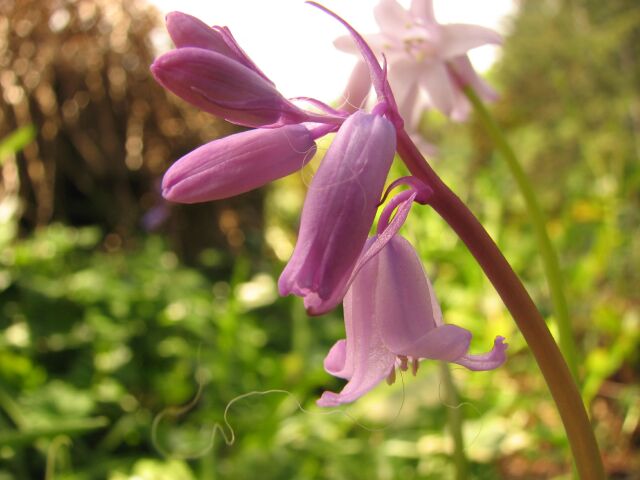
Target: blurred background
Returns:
[115, 306]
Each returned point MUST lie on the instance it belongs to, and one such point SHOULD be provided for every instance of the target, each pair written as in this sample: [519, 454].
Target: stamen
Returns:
[391, 378]
[404, 362]
[415, 363]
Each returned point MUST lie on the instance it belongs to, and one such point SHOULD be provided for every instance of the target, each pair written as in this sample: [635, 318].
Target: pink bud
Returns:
[224, 87]
[238, 163]
[339, 210]
[188, 31]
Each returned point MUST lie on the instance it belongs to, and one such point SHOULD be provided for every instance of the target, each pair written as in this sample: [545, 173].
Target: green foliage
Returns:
[95, 343]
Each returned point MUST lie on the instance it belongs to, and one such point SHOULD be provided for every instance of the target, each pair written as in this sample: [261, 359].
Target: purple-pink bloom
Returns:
[238, 163]
[392, 318]
[338, 211]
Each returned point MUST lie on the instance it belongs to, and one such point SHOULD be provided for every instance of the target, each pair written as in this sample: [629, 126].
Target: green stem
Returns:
[454, 414]
[554, 369]
[549, 256]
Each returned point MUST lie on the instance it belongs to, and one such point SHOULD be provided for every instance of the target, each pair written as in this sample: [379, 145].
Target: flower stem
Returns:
[549, 255]
[561, 384]
[454, 414]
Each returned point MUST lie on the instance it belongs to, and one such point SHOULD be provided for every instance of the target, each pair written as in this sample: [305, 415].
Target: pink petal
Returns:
[403, 78]
[358, 87]
[423, 10]
[447, 342]
[437, 82]
[345, 43]
[337, 362]
[392, 18]
[371, 362]
[188, 31]
[238, 163]
[486, 361]
[376, 243]
[461, 107]
[339, 210]
[376, 41]
[340, 360]
[465, 73]
[458, 39]
[406, 307]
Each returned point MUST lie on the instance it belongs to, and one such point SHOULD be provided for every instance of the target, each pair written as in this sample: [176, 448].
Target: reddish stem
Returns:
[533, 327]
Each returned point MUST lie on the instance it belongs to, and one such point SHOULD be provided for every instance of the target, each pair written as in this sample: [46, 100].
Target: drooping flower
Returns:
[424, 55]
[392, 318]
[338, 211]
[238, 163]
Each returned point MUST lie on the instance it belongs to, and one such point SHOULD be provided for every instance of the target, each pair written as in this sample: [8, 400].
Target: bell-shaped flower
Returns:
[392, 319]
[338, 211]
[238, 163]
[424, 55]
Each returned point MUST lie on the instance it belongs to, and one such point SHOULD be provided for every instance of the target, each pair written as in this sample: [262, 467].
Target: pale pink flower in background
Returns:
[423, 55]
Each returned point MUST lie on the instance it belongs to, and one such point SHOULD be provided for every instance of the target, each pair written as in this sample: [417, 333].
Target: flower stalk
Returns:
[454, 414]
[554, 369]
[547, 251]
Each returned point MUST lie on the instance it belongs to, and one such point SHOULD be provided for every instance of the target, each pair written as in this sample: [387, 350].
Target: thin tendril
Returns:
[227, 432]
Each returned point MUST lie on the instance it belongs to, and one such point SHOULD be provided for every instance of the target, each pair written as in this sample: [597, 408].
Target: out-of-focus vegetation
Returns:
[103, 326]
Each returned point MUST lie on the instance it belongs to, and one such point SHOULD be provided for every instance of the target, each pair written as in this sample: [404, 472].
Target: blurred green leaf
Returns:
[16, 141]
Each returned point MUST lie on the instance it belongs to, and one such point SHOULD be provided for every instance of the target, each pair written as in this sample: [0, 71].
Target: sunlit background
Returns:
[293, 41]
[116, 307]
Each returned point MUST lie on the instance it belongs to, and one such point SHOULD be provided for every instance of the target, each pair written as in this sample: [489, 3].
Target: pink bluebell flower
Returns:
[392, 319]
[424, 55]
[238, 163]
[391, 314]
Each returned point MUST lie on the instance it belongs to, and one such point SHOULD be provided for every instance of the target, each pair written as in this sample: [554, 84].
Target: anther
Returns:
[415, 363]
[391, 378]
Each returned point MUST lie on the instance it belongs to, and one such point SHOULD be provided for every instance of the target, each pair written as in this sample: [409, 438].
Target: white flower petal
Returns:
[423, 10]
[392, 18]
[403, 78]
[458, 39]
[436, 80]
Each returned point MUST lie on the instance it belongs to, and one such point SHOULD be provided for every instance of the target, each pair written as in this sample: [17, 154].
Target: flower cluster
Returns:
[391, 315]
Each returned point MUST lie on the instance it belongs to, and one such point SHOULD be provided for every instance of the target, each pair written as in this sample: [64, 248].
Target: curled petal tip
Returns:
[328, 399]
[486, 361]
